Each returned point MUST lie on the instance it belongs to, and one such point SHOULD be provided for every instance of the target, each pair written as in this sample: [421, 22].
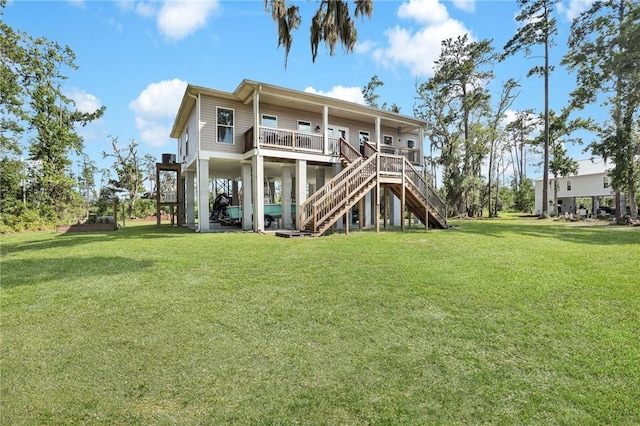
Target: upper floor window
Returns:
[269, 120]
[411, 144]
[186, 142]
[364, 137]
[304, 126]
[605, 181]
[568, 185]
[225, 125]
[387, 140]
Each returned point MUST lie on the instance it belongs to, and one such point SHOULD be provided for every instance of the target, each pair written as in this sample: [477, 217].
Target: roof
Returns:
[591, 166]
[288, 97]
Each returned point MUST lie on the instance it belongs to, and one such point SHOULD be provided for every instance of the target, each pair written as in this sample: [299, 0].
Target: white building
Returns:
[589, 188]
[329, 157]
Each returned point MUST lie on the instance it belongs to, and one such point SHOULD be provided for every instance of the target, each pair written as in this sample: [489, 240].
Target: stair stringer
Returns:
[325, 207]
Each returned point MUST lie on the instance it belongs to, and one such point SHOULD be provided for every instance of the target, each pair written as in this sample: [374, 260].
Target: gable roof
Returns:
[288, 97]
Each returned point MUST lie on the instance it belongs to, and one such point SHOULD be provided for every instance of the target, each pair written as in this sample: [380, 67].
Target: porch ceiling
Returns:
[220, 168]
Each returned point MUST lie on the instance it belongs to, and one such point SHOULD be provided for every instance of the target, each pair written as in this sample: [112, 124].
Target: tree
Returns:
[603, 51]
[524, 197]
[331, 23]
[454, 102]
[496, 148]
[86, 180]
[371, 97]
[33, 102]
[127, 165]
[538, 28]
[518, 132]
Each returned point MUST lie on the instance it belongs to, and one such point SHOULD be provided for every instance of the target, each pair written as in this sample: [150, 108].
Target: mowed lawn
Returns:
[491, 322]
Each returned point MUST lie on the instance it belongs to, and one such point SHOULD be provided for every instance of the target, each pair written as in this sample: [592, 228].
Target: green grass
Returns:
[492, 322]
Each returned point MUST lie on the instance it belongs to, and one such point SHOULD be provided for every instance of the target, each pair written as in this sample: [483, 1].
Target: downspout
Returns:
[256, 119]
[197, 191]
[325, 130]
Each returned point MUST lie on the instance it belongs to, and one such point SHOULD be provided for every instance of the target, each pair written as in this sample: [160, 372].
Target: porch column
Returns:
[378, 139]
[189, 179]
[246, 196]
[203, 195]
[286, 197]
[325, 130]
[301, 188]
[257, 168]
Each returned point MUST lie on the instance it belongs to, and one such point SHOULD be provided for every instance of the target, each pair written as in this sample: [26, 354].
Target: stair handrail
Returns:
[348, 152]
[434, 200]
[369, 149]
[307, 205]
[352, 184]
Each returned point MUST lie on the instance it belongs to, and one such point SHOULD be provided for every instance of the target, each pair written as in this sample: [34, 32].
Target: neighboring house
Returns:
[260, 134]
[590, 189]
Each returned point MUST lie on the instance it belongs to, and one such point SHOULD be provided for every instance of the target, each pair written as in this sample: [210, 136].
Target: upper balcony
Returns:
[293, 140]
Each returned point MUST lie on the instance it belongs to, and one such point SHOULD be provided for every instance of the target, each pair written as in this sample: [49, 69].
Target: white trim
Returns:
[268, 115]
[233, 126]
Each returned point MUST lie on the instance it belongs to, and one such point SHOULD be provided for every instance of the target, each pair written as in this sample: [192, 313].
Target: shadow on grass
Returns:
[21, 272]
[48, 241]
[592, 235]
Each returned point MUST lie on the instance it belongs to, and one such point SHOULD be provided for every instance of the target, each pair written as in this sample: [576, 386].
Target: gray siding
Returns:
[243, 120]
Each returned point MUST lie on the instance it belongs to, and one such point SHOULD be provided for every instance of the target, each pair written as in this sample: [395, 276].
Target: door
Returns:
[335, 133]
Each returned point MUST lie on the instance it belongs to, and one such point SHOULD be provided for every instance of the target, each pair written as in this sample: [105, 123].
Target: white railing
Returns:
[290, 140]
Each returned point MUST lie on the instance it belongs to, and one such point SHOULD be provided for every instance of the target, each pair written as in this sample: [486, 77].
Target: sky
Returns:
[136, 57]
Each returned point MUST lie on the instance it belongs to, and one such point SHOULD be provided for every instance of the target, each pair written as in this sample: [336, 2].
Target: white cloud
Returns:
[146, 10]
[155, 109]
[364, 46]
[423, 11]
[154, 133]
[179, 19]
[85, 102]
[351, 94]
[574, 8]
[465, 5]
[418, 51]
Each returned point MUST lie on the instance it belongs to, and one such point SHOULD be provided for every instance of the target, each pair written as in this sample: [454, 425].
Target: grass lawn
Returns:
[493, 322]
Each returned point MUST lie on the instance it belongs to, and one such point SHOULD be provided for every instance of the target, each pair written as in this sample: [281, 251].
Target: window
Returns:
[411, 144]
[568, 185]
[269, 120]
[225, 125]
[186, 142]
[605, 181]
[364, 137]
[304, 126]
[387, 140]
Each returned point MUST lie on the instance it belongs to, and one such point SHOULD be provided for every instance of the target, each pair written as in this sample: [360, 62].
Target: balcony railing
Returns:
[293, 140]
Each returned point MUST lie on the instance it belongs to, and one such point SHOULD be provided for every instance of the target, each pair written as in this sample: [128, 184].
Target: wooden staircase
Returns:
[361, 174]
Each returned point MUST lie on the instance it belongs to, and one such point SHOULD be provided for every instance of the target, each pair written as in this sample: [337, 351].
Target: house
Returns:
[590, 189]
[322, 157]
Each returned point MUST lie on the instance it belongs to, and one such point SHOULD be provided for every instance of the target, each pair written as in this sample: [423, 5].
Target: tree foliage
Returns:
[604, 54]
[371, 97]
[456, 104]
[332, 23]
[128, 166]
[35, 109]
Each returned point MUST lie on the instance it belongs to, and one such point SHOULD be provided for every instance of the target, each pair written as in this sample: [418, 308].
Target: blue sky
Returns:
[137, 57]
